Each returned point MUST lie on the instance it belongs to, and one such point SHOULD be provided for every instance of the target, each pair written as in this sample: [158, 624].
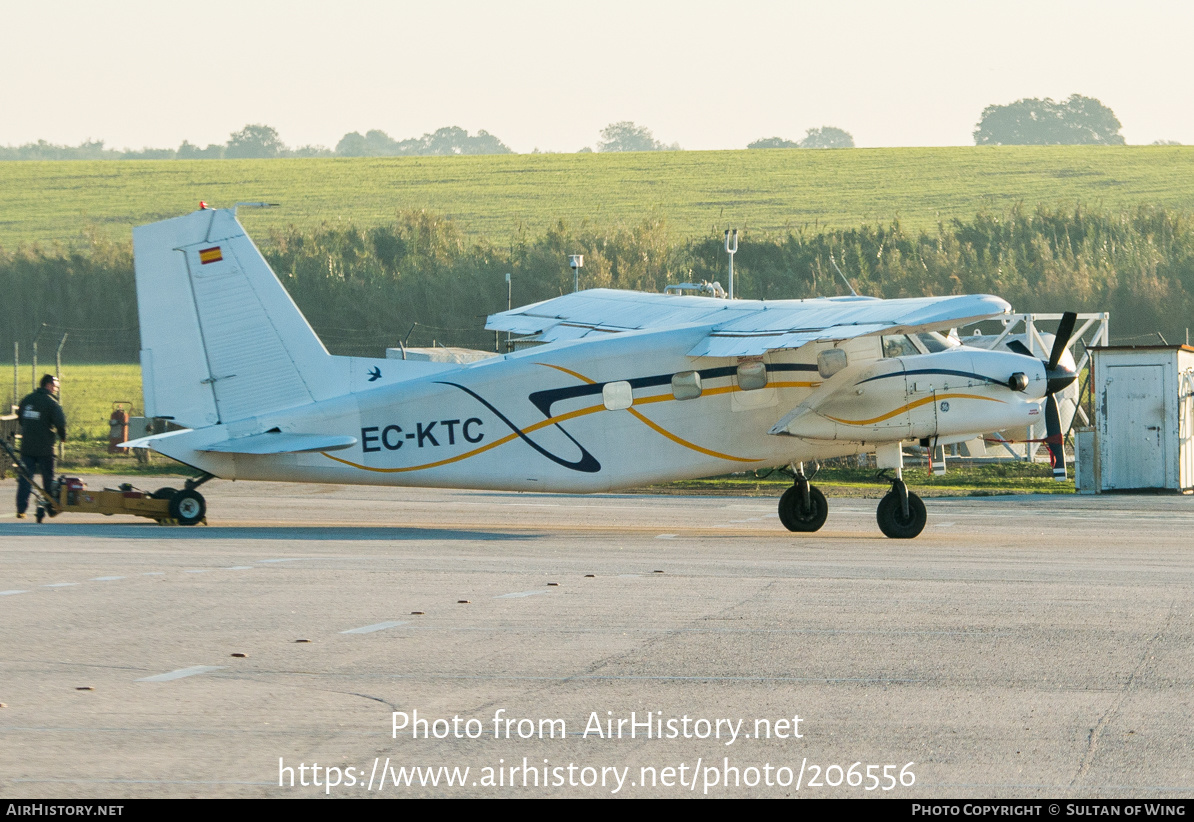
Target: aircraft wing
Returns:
[609, 310]
[739, 328]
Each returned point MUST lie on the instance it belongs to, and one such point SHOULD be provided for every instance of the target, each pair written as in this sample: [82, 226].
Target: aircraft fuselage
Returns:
[551, 418]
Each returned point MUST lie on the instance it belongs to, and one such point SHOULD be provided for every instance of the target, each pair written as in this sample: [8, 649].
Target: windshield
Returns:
[926, 342]
[934, 341]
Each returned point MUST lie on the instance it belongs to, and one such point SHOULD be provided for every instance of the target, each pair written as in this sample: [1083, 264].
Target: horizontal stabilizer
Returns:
[281, 443]
[152, 440]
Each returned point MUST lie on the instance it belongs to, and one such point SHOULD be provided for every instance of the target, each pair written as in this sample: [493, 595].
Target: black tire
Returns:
[891, 519]
[188, 507]
[792, 513]
[164, 493]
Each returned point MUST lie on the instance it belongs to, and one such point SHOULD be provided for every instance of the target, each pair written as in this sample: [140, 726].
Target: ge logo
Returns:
[945, 406]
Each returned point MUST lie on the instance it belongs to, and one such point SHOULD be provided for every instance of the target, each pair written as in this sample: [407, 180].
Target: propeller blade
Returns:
[1054, 439]
[1020, 348]
[1065, 329]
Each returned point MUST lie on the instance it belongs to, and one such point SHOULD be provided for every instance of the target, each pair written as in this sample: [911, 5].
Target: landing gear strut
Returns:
[803, 506]
[901, 513]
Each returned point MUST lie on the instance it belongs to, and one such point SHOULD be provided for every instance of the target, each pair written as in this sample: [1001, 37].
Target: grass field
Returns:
[88, 392]
[496, 196]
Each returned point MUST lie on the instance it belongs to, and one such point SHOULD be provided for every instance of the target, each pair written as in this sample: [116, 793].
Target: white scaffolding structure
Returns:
[1090, 330]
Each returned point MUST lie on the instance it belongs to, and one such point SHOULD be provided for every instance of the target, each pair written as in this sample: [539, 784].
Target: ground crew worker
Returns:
[41, 417]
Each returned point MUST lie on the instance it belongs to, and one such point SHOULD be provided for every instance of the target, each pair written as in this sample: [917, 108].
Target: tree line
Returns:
[418, 278]
[824, 137]
[260, 142]
[1078, 120]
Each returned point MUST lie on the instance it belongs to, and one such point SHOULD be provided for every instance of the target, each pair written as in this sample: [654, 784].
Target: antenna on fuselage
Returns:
[840, 274]
[731, 249]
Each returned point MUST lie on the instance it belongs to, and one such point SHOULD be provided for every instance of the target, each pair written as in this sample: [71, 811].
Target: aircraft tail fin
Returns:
[221, 340]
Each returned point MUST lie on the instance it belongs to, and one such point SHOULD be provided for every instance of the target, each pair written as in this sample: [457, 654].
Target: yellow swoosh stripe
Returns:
[910, 406]
[592, 409]
[686, 443]
[466, 455]
[580, 377]
[580, 413]
[659, 428]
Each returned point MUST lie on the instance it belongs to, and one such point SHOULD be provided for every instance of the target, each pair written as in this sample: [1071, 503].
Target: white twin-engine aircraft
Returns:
[628, 388]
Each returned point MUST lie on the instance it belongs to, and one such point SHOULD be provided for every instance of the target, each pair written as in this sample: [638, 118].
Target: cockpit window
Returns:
[933, 342]
[899, 346]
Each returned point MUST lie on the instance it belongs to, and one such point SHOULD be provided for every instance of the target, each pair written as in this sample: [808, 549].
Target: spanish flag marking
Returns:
[210, 255]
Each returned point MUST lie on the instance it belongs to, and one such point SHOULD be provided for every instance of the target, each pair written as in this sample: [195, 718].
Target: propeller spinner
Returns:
[1057, 377]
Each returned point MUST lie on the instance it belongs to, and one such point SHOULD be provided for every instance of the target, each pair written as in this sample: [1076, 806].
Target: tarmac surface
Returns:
[1035, 647]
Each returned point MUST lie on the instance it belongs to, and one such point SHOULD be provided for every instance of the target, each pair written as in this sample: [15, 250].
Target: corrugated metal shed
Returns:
[1144, 418]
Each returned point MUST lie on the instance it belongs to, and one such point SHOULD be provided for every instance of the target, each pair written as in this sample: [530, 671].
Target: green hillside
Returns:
[498, 196]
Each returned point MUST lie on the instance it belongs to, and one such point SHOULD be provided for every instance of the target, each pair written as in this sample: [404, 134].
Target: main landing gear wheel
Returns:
[892, 520]
[796, 515]
[188, 507]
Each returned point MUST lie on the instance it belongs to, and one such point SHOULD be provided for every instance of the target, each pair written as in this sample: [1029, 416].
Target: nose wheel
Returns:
[803, 508]
[901, 513]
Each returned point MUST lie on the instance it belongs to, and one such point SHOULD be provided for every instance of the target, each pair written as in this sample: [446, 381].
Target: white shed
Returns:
[1144, 417]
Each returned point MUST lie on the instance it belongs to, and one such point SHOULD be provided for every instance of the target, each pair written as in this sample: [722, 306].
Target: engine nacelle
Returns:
[958, 391]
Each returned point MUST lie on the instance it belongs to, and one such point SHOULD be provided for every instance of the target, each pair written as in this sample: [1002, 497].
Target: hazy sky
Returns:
[552, 74]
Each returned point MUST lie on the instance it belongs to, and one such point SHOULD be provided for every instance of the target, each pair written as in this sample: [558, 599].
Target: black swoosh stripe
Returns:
[945, 371]
[544, 400]
[587, 464]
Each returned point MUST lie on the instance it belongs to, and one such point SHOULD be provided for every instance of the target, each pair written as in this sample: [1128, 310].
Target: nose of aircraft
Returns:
[1058, 377]
[1058, 374]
